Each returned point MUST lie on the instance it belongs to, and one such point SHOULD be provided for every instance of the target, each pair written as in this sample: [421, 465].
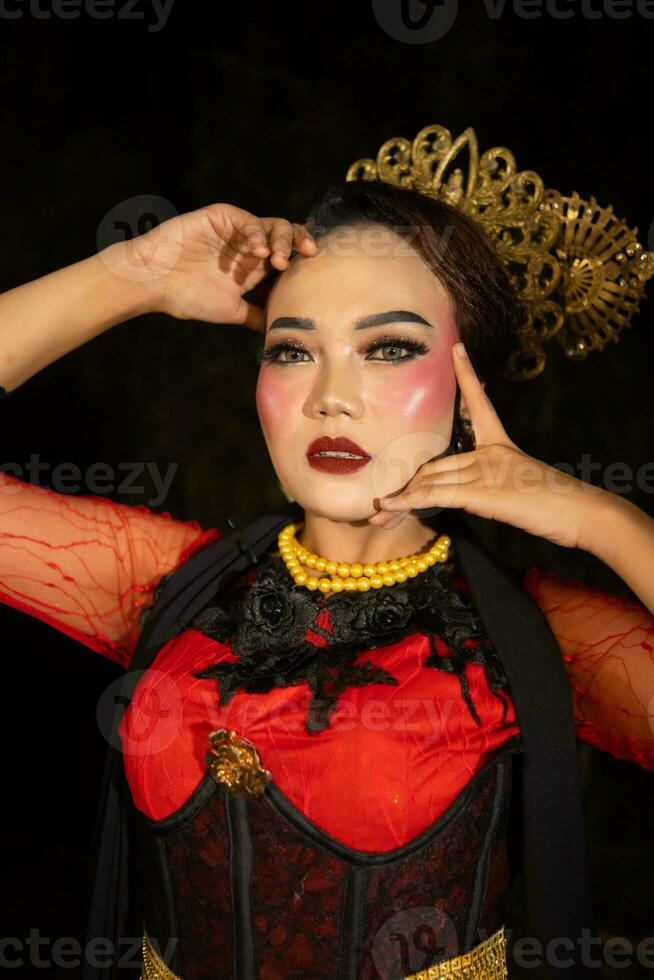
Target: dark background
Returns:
[264, 106]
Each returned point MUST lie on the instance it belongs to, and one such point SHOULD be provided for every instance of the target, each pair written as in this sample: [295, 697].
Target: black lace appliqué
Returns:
[266, 625]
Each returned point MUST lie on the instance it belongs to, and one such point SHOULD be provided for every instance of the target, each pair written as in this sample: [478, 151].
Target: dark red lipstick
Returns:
[338, 455]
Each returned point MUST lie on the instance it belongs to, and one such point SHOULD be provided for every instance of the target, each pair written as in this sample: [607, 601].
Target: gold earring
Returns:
[463, 435]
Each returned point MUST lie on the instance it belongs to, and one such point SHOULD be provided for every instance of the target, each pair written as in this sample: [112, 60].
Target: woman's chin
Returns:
[336, 507]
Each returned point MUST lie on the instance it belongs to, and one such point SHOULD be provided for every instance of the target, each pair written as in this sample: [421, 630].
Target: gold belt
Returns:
[487, 961]
[154, 967]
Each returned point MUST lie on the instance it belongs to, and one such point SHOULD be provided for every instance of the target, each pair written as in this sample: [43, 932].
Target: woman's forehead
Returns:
[324, 289]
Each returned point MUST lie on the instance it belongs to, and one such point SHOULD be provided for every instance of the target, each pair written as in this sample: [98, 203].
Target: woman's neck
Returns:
[359, 541]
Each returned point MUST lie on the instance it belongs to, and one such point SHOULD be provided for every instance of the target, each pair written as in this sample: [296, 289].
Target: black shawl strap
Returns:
[183, 594]
[556, 876]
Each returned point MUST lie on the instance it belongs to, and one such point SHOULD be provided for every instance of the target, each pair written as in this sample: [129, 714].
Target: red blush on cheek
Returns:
[423, 390]
[275, 402]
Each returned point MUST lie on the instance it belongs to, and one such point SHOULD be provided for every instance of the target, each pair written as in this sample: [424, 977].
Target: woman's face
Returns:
[357, 347]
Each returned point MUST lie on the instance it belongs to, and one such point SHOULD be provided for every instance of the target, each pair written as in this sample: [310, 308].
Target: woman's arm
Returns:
[195, 266]
[622, 536]
[607, 642]
[86, 565]
[42, 320]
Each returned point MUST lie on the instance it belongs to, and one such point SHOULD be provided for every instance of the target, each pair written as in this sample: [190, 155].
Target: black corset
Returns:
[244, 888]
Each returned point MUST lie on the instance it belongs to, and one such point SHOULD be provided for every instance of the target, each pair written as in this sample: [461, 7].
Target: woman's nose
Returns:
[334, 393]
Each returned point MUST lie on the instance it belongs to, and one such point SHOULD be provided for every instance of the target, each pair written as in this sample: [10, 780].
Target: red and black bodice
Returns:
[375, 845]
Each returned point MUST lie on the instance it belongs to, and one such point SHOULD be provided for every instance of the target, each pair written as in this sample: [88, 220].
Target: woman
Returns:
[320, 762]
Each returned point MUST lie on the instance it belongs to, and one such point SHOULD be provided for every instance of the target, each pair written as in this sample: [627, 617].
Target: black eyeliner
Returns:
[408, 343]
[269, 355]
[266, 355]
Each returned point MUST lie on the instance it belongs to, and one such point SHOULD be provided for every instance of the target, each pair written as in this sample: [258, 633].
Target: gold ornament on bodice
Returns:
[578, 270]
[234, 763]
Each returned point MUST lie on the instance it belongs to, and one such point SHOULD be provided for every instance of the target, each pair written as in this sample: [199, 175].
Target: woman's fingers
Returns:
[423, 492]
[234, 249]
[304, 239]
[244, 232]
[448, 469]
[283, 236]
[256, 240]
[278, 237]
[484, 418]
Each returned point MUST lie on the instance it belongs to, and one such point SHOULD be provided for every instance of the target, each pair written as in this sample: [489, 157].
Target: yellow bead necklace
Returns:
[354, 577]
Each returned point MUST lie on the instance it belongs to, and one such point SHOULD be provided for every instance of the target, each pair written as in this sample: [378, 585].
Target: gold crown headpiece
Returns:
[578, 270]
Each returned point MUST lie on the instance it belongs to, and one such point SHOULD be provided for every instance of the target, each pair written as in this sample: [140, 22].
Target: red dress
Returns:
[88, 566]
[410, 737]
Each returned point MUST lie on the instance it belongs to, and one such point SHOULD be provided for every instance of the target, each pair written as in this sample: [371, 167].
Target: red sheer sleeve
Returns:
[607, 644]
[85, 564]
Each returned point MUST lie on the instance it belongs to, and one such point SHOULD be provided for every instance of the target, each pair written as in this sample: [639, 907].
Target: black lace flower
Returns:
[272, 617]
[267, 626]
[381, 616]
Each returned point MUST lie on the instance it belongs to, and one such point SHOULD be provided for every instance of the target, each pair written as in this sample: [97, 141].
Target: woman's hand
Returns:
[198, 265]
[500, 482]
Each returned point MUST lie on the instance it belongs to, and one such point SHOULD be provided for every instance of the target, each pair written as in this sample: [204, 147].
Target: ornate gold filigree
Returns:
[154, 967]
[487, 961]
[578, 270]
[234, 763]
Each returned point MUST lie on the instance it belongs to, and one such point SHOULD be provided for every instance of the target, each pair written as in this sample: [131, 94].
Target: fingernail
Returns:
[460, 349]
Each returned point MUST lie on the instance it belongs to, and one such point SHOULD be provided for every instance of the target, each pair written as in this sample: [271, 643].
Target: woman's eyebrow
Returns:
[371, 320]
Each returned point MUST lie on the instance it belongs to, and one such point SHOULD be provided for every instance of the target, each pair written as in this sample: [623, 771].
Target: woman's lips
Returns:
[337, 464]
[338, 455]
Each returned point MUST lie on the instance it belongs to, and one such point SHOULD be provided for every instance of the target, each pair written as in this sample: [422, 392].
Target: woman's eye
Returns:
[395, 352]
[286, 355]
[293, 356]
